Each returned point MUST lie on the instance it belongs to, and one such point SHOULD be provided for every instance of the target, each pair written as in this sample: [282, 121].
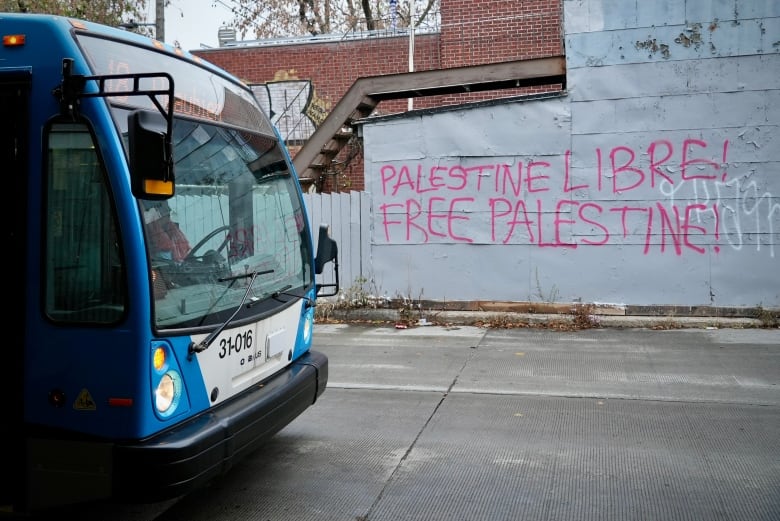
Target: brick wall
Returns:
[472, 32]
[489, 31]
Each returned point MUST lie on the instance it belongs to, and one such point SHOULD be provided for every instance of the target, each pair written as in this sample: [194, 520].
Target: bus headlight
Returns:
[168, 396]
[168, 393]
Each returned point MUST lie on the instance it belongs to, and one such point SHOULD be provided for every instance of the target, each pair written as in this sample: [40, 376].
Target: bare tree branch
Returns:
[108, 12]
[284, 18]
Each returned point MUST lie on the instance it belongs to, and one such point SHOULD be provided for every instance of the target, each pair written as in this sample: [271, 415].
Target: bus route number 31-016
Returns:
[241, 348]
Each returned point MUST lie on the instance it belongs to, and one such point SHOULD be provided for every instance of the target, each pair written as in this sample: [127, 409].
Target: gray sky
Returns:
[193, 22]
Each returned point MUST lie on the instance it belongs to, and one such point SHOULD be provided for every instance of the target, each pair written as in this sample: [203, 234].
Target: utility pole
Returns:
[411, 46]
[159, 20]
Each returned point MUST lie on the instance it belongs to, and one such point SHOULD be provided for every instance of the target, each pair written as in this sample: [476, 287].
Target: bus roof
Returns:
[202, 90]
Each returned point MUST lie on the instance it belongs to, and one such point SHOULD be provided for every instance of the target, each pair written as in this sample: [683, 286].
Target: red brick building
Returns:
[472, 32]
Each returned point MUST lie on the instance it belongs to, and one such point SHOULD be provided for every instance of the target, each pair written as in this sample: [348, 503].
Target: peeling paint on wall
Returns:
[691, 36]
[654, 47]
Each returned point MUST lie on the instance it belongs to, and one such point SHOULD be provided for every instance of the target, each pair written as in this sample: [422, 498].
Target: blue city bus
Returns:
[161, 286]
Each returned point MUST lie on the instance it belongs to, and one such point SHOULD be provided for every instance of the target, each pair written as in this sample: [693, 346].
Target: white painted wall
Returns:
[655, 179]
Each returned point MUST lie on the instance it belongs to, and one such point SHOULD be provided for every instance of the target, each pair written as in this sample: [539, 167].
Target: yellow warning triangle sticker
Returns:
[84, 402]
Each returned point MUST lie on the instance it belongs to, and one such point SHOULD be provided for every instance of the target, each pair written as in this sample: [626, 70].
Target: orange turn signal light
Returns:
[13, 40]
[158, 359]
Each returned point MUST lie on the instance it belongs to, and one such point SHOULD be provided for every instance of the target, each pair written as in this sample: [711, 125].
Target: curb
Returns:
[514, 319]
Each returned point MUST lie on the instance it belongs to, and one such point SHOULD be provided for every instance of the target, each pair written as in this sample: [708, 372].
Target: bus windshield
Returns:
[236, 217]
[235, 230]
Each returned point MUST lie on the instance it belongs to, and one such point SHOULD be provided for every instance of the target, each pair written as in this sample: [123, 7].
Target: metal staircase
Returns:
[317, 154]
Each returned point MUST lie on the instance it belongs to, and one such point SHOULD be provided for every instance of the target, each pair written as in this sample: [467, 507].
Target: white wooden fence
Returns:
[348, 215]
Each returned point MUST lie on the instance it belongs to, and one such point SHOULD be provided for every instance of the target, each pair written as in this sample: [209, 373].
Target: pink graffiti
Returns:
[538, 176]
[425, 203]
[674, 227]
[413, 219]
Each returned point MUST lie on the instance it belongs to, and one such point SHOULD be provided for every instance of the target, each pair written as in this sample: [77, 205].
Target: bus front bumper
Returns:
[68, 471]
[192, 454]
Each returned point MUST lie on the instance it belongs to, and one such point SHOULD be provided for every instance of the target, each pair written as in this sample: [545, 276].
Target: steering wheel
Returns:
[191, 255]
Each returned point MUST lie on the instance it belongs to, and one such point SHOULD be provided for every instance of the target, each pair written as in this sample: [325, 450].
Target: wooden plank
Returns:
[513, 74]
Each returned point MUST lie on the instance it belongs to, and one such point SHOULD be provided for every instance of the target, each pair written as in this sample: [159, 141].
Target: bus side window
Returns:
[84, 275]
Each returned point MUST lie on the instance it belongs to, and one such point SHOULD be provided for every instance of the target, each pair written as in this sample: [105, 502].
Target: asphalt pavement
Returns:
[470, 423]
[465, 423]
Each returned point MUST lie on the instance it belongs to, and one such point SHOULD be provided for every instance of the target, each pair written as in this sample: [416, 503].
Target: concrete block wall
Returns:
[653, 181]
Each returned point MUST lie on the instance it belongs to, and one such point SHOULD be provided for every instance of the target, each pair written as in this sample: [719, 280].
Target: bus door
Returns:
[14, 115]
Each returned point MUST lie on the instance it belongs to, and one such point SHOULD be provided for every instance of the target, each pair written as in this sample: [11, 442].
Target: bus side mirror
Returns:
[151, 155]
[326, 251]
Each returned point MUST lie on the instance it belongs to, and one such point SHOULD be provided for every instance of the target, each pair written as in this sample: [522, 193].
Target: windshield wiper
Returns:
[283, 291]
[245, 275]
[206, 342]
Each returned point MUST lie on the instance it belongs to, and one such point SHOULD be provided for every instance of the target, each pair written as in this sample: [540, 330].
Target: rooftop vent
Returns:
[226, 35]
